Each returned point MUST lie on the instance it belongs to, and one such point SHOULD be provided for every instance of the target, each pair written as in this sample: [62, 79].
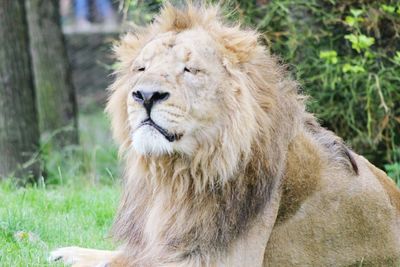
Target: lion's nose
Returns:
[149, 98]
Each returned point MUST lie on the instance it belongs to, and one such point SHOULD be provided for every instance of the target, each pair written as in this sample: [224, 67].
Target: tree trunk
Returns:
[56, 100]
[19, 134]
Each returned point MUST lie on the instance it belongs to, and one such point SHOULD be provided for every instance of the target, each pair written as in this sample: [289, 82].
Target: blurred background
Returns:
[58, 163]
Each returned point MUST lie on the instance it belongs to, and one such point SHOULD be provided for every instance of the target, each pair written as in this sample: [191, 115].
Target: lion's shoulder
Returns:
[309, 155]
[302, 175]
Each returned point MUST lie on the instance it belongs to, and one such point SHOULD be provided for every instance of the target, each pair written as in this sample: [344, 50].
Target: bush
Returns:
[347, 58]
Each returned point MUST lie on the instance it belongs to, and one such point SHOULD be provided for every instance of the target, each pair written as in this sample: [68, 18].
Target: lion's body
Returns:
[230, 170]
[344, 218]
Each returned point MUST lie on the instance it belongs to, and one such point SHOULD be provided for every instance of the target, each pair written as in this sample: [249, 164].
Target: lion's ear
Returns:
[240, 44]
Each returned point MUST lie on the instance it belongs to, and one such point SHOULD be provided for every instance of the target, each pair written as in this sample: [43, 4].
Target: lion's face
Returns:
[180, 95]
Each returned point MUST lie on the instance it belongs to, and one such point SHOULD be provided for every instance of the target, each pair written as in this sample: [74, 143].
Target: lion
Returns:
[223, 164]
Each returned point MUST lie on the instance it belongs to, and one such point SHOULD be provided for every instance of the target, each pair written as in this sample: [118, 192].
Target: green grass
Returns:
[75, 205]
[35, 220]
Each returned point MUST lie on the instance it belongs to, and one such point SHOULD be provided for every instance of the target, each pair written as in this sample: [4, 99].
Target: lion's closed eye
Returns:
[191, 70]
[137, 67]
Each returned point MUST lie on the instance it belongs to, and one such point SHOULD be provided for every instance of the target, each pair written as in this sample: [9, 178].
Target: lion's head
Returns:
[181, 97]
[190, 86]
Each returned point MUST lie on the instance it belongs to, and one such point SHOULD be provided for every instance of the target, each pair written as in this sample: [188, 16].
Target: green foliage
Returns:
[353, 68]
[94, 161]
[393, 170]
[396, 58]
[359, 42]
[330, 56]
[141, 12]
[387, 8]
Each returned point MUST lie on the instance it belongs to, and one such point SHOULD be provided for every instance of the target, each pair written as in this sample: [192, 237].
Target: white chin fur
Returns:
[148, 141]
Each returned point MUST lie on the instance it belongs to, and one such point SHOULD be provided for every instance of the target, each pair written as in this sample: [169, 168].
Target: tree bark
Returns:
[56, 100]
[19, 133]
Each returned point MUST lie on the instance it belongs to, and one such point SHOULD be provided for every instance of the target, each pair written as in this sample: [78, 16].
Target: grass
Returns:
[75, 206]
[35, 220]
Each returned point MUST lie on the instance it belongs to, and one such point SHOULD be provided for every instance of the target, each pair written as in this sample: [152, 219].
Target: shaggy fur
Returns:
[212, 198]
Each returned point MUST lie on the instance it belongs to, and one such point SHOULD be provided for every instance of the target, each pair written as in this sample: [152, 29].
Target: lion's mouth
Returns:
[171, 137]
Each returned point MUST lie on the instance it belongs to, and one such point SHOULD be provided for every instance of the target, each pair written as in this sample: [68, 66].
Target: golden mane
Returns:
[236, 174]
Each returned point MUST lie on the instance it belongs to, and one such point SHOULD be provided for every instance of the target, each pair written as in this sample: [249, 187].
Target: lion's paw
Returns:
[75, 256]
[68, 255]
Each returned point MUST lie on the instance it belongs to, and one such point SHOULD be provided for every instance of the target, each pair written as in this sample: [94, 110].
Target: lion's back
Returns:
[331, 215]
